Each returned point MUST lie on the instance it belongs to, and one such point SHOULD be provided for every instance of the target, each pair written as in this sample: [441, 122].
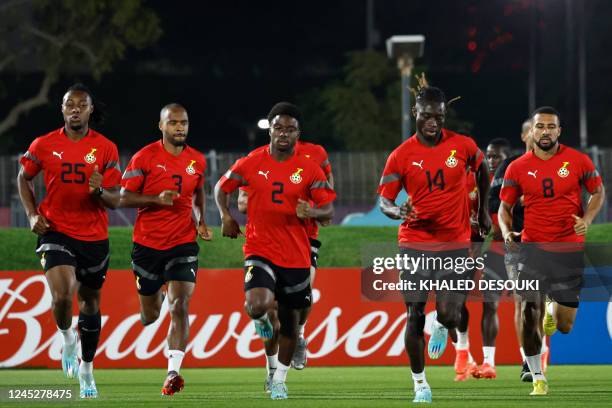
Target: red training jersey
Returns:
[68, 165]
[319, 155]
[273, 229]
[153, 170]
[435, 177]
[552, 191]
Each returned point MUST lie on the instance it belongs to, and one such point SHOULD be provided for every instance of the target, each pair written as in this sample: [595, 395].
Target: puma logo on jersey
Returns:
[162, 166]
[58, 154]
[419, 164]
[264, 174]
[532, 173]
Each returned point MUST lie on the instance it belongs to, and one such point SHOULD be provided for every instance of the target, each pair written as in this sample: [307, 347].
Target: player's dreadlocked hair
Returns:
[285, 108]
[425, 92]
[99, 114]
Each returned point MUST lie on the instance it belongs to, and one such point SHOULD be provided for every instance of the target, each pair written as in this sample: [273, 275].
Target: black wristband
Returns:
[99, 191]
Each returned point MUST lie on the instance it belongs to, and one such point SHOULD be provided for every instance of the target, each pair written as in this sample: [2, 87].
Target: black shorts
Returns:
[435, 270]
[154, 267]
[560, 274]
[291, 286]
[315, 245]
[89, 258]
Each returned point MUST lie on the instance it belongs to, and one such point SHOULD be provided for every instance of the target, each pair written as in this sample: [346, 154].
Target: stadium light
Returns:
[263, 124]
[405, 48]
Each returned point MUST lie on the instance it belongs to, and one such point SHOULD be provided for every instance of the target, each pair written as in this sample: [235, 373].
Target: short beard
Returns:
[76, 127]
[546, 148]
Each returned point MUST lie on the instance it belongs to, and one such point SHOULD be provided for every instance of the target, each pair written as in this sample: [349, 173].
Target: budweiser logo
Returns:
[342, 329]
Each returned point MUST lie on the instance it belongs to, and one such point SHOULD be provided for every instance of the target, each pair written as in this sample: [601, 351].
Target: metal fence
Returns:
[356, 176]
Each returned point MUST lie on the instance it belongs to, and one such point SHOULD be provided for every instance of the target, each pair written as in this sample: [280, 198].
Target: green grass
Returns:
[341, 246]
[570, 386]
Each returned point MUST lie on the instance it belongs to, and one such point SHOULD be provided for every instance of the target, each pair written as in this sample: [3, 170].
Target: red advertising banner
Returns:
[342, 329]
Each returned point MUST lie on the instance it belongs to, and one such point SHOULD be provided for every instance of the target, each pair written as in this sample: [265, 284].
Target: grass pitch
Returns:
[329, 387]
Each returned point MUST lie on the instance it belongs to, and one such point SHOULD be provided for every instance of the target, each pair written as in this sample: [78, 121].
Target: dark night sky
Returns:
[229, 61]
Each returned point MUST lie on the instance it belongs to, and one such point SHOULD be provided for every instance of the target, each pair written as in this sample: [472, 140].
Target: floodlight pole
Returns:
[404, 49]
[405, 64]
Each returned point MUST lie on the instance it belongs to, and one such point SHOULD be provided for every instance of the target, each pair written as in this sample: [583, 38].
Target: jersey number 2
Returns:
[278, 189]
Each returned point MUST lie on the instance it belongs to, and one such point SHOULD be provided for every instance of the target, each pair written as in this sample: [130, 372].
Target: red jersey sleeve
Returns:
[134, 175]
[31, 159]
[321, 192]
[474, 155]
[112, 170]
[235, 176]
[325, 164]
[511, 190]
[590, 177]
[391, 181]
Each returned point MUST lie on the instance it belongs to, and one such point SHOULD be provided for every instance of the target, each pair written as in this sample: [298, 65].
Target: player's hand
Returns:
[230, 227]
[303, 209]
[406, 210]
[484, 223]
[38, 224]
[510, 240]
[167, 197]
[95, 180]
[580, 225]
[204, 232]
[325, 223]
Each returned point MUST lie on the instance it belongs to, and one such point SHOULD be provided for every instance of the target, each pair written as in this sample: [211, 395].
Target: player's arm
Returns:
[230, 227]
[321, 214]
[38, 224]
[482, 181]
[394, 211]
[504, 215]
[132, 199]
[108, 197]
[243, 200]
[330, 179]
[596, 201]
[199, 204]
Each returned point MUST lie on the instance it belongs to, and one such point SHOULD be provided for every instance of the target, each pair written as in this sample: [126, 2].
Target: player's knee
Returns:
[149, 316]
[89, 306]
[256, 308]
[564, 326]
[415, 321]
[448, 318]
[62, 301]
[179, 306]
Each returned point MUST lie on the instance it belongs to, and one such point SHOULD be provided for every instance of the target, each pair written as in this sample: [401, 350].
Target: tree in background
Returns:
[362, 111]
[84, 37]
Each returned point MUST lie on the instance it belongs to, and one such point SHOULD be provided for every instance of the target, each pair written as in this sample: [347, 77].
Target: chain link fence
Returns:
[356, 176]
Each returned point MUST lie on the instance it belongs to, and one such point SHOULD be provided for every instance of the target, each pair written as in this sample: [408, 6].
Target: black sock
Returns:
[89, 329]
